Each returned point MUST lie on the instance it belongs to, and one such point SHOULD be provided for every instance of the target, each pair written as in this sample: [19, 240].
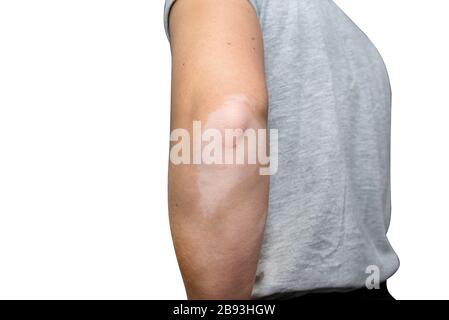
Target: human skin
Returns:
[217, 212]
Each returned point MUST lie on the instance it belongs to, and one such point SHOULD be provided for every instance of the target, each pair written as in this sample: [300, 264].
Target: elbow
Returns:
[235, 112]
[237, 121]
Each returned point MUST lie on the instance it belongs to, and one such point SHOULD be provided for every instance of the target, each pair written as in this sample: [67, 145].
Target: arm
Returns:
[217, 212]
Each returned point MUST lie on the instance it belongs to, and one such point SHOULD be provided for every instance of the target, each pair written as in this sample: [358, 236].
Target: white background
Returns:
[84, 124]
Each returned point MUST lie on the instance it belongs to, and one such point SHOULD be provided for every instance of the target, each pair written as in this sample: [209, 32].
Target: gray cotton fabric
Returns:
[330, 99]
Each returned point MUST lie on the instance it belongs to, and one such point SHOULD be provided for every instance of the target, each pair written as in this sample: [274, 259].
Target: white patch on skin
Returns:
[230, 115]
[216, 182]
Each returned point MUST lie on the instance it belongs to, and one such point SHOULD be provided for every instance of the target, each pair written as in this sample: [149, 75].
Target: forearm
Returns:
[217, 216]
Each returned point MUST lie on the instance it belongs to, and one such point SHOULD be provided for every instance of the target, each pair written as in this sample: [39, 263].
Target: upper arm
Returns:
[217, 51]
